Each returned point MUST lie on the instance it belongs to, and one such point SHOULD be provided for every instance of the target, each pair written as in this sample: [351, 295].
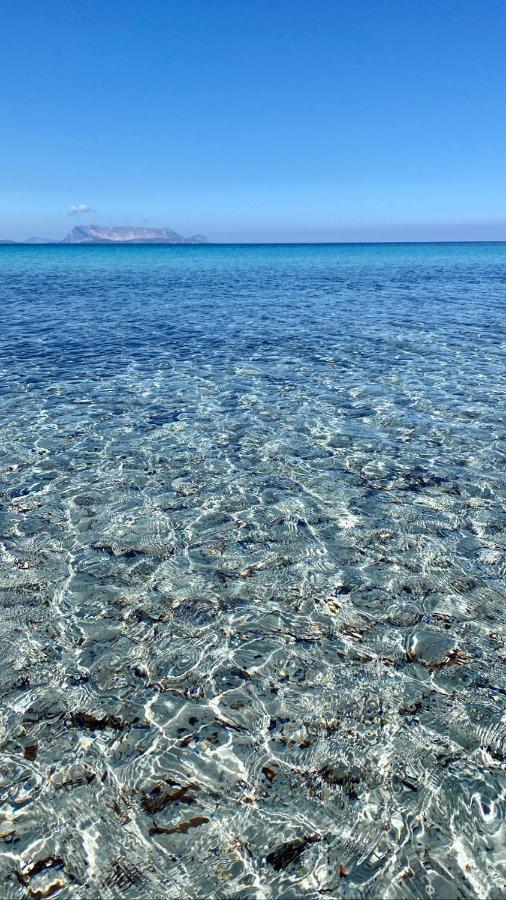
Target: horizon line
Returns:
[56, 243]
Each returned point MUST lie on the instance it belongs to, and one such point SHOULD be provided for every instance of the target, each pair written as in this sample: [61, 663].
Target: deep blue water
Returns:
[252, 571]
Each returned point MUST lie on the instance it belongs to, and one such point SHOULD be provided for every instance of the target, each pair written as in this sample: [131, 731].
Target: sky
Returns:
[262, 120]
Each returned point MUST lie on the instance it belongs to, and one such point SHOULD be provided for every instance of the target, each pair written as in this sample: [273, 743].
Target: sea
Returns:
[252, 571]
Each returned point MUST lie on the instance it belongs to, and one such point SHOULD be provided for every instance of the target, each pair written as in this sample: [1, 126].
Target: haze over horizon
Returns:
[285, 122]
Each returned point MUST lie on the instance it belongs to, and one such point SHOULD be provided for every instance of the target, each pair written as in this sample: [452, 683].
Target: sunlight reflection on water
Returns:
[252, 571]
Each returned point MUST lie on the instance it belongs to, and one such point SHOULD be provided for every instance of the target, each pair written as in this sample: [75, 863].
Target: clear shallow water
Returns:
[252, 535]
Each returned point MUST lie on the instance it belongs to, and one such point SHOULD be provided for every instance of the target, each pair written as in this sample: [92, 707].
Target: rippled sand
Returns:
[252, 537]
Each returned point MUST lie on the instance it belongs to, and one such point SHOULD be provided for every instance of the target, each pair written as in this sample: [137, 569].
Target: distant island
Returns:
[125, 234]
[120, 234]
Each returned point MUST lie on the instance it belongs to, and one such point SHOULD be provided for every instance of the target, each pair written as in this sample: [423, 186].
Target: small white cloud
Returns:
[79, 209]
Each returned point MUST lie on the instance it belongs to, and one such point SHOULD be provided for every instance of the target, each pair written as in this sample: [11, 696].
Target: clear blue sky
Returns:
[255, 119]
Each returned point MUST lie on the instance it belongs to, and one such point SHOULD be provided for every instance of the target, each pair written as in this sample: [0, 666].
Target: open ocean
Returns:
[252, 571]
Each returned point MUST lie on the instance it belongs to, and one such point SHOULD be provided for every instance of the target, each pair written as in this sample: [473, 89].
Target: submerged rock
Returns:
[287, 853]
[433, 649]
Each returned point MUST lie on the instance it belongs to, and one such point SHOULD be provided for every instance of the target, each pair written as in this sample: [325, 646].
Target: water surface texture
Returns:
[252, 538]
